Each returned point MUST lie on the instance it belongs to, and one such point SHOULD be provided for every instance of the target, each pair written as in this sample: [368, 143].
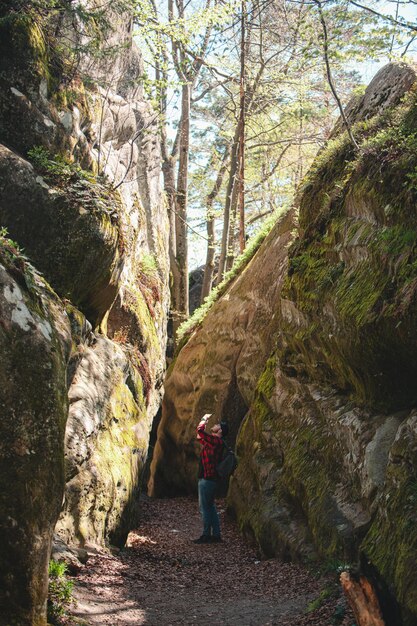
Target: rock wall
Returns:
[80, 193]
[106, 444]
[326, 442]
[35, 341]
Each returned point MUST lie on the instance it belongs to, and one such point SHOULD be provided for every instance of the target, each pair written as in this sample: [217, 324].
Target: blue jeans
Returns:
[206, 493]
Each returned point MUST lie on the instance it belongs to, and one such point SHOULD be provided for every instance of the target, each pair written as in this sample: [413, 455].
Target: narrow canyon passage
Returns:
[141, 148]
[162, 578]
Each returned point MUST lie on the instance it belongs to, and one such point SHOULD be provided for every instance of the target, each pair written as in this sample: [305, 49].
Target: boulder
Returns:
[74, 558]
[384, 92]
[70, 233]
[35, 341]
[106, 444]
[340, 397]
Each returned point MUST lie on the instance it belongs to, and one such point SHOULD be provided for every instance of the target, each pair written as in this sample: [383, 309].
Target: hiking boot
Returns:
[216, 539]
[203, 539]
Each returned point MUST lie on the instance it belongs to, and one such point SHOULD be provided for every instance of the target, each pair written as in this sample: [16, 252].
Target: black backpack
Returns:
[228, 463]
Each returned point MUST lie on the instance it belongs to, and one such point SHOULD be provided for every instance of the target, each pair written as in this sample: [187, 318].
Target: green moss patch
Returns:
[23, 49]
[391, 544]
[353, 273]
[289, 464]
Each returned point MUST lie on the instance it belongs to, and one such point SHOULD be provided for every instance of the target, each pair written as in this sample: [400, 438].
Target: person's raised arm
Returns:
[203, 422]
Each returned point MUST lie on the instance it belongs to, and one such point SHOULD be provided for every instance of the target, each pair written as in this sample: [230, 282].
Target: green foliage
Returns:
[334, 567]
[148, 265]
[287, 121]
[181, 30]
[396, 239]
[59, 593]
[4, 238]
[57, 168]
[188, 327]
[93, 192]
[10, 248]
[324, 595]
[339, 615]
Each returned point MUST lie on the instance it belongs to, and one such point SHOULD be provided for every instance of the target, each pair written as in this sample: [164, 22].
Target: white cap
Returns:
[206, 416]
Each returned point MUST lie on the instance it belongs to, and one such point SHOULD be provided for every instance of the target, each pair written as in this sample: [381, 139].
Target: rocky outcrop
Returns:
[384, 92]
[71, 232]
[106, 444]
[327, 437]
[35, 342]
[80, 192]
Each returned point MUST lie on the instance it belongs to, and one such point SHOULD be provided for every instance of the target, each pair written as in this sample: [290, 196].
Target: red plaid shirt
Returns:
[211, 453]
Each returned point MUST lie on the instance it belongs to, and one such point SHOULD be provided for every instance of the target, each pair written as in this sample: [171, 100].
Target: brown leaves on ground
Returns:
[161, 578]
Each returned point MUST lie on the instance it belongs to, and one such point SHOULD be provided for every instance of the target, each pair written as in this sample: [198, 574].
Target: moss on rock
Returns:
[336, 477]
[106, 445]
[357, 265]
[23, 50]
[288, 466]
[391, 543]
[72, 235]
[34, 348]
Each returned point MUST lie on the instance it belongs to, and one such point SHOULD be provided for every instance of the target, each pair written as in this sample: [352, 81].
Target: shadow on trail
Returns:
[161, 578]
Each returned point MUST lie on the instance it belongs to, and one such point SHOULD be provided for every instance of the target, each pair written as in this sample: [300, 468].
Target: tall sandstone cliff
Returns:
[312, 357]
[83, 308]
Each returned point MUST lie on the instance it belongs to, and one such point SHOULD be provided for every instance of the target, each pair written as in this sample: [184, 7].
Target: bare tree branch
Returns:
[329, 75]
[389, 18]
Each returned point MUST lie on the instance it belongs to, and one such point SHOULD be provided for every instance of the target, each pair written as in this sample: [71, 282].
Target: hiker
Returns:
[211, 454]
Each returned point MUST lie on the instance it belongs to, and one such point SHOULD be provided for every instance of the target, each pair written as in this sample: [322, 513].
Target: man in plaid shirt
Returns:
[211, 454]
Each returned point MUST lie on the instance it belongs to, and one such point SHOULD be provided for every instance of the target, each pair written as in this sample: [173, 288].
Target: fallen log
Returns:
[362, 599]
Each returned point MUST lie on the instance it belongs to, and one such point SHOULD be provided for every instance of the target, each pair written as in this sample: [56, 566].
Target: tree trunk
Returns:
[211, 250]
[231, 186]
[362, 600]
[211, 246]
[180, 288]
[242, 120]
[169, 188]
[234, 225]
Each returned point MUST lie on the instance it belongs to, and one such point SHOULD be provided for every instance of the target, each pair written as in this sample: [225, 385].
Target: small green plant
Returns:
[4, 239]
[11, 250]
[54, 166]
[57, 167]
[318, 602]
[60, 592]
[147, 264]
[335, 566]
[397, 239]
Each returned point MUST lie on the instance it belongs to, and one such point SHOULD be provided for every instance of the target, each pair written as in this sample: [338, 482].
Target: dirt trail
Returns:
[161, 578]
